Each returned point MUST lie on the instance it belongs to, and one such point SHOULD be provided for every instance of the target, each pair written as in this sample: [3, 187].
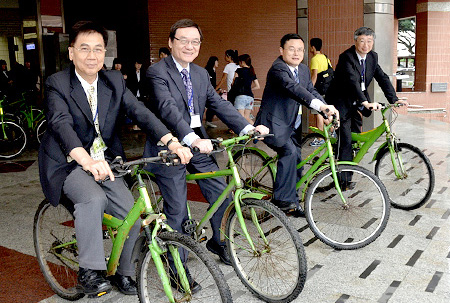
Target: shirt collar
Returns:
[179, 67]
[292, 69]
[359, 56]
[86, 85]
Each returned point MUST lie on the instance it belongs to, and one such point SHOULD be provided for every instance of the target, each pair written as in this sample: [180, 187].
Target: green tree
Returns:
[407, 34]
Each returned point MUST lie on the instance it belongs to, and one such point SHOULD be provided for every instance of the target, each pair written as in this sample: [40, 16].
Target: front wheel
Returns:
[13, 140]
[275, 270]
[416, 182]
[201, 268]
[56, 249]
[354, 224]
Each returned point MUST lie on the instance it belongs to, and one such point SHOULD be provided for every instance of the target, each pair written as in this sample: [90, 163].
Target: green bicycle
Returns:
[266, 251]
[404, 169]
[343, 216]
[56, 250]
[13, 138]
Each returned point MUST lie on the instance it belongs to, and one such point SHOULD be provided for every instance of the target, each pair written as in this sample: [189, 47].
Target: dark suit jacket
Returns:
[282, 98]
[345, 89]
[168, 98]
[70, 123]
[134, 85]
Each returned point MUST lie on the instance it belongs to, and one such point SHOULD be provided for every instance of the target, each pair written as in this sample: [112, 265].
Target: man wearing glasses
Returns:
[83, 105]
[288, 87]
[179, 92]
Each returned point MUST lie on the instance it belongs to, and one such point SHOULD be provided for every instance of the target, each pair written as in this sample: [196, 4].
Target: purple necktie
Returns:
[188, 85]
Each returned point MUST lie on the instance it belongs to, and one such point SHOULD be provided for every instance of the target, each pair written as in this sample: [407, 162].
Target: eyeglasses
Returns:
[186, 41]
[298, 50]
[87, 50]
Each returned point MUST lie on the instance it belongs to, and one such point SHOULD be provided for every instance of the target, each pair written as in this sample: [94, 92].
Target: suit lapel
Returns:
[79, 96]
[176, 77]
[103, 99]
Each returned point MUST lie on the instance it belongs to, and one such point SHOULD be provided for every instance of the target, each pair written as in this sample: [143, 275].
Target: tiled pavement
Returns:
[409, 262]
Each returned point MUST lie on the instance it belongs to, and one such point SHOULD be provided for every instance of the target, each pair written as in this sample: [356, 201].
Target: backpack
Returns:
[324, 79]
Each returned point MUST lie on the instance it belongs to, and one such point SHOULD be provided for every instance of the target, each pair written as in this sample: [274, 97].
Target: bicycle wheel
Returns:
[53, 230]
[201, 267]
[153, 192]
[40, 130]
[13, 140]
[253, 173]
[415, 188]
[276, 271]
[350, 226]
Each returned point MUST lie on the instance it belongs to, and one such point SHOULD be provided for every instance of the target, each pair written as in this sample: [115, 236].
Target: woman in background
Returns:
[231, 57]
[211, 65]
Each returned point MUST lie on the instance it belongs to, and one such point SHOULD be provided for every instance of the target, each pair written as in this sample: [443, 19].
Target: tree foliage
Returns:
[407, 34]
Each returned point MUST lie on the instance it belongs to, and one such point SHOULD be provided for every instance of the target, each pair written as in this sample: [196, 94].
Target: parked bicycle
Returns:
[342, 215]
[404, 169]
[21, 123]
[265, 249]
[162, 275]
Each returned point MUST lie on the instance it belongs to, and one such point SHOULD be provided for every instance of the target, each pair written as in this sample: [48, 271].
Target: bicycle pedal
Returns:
[97, 295]
[202, 239]
[189, 226]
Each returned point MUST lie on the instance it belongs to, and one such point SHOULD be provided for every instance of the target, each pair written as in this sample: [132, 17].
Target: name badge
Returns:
[195, 121]
[363, 86]
[97, 149]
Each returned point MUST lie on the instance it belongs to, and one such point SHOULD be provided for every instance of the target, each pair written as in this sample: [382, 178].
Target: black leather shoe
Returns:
[284, 205]
[92, 282]
[297, 213]
[176, 283]
[125, 284]
[220, 250]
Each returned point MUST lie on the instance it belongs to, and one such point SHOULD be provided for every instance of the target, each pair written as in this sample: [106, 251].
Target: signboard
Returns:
[438, 87]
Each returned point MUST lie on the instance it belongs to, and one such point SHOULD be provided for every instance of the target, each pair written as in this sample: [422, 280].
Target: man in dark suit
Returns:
[356, 68]
[135, 81]
[179, 92]
[83, 105]
[288, 87]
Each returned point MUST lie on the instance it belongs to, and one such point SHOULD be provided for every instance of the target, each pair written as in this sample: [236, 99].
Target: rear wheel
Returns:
[414, 188]
[355, 224]
[276, 270]
[13, 140]
[40, 130]
[202, 269]
[56, 249]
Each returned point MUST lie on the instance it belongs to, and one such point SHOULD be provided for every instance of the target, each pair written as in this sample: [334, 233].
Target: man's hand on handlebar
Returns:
[99, 169]
[329, 111]
[403, 102]
[184, 153]
[372, 106]
[262, 130]
[204, 145]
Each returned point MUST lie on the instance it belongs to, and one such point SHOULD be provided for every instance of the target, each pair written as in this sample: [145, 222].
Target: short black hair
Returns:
[87, 27]
[317, 43]
[164, 50]
[184, 23]
[288, 37]
[366, 31]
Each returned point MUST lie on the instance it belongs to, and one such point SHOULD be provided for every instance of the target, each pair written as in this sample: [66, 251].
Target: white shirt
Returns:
[230, 69]
[86, 85]
[315, 103]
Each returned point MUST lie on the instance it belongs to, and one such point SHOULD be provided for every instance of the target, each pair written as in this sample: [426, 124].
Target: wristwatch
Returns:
[173, 139]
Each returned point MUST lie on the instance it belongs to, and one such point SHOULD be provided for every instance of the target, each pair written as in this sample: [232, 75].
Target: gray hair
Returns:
[366, 31]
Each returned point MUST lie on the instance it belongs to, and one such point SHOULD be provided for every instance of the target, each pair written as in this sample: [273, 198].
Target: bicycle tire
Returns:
[201, 267]
[53, 226]
[41, 129]
[277, 273]
[13, 140]
[413, 191]
[153, 191]
[356, 225]
[249, 162]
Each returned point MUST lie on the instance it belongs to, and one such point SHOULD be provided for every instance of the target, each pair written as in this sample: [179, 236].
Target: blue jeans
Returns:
[243, 102]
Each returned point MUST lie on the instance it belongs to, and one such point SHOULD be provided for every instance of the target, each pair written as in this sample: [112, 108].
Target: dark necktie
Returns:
[363, 71]
[298, 120]
[188, 86]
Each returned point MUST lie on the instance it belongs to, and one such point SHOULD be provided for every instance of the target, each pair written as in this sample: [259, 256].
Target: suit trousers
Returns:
[91, 200]
[351, 122]
[284, 188]
[172, 183]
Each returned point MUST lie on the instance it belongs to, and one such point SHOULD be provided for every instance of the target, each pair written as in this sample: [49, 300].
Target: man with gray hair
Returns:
[356, 68]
